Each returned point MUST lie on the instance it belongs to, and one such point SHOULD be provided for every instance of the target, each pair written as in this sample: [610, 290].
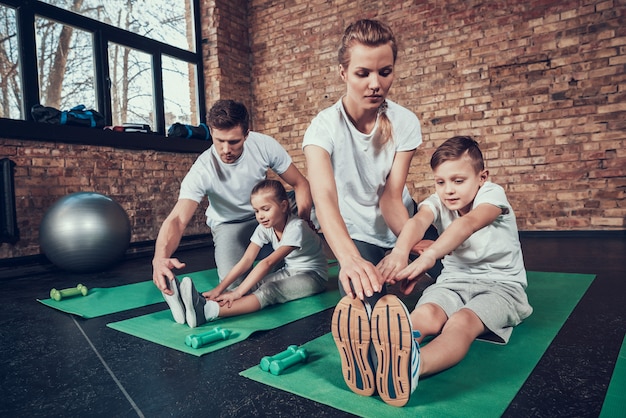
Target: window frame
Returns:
[26, 10]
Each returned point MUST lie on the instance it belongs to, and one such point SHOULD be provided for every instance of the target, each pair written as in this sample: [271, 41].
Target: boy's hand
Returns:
[391, 265]
[414, 270]
[421, 246]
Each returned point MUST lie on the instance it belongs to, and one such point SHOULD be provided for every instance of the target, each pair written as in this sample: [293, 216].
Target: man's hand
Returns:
[162, 272]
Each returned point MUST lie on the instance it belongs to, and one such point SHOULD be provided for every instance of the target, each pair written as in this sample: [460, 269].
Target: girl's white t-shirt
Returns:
[308, 254]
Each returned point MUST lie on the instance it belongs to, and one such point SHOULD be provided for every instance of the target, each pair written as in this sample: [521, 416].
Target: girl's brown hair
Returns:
[371, 33]
[274, 186]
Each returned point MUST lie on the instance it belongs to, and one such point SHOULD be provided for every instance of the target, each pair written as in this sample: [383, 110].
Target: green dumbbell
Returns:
[267, 360]
[209, 337]
[189, 338]
[68, 293]
[278, 366]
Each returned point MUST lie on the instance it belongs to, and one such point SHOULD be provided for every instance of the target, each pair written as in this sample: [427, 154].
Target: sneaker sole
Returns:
[194, 317]
[175, 302]
[351, 332]
[392, 338]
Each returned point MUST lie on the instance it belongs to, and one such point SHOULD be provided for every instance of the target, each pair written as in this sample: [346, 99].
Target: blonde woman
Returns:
[358, 152]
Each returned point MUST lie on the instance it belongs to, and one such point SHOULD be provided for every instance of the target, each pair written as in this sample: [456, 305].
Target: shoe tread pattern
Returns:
[351, 332]
[392, 340]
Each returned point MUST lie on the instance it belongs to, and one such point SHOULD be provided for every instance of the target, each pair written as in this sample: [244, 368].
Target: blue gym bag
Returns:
[76, 116]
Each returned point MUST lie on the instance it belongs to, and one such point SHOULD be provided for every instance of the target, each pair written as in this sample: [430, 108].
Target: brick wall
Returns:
[540, 84]
[226, 50]
[144, 183]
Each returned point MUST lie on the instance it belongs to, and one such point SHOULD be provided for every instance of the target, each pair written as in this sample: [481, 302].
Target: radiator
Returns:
[8, 217]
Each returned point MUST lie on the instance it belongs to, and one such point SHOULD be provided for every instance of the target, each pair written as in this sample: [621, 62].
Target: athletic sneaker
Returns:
[174, 301]
[194, 303]
[351, 331]
[397, 351]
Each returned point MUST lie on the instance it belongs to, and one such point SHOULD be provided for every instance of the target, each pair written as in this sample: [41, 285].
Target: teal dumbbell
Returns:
[267, 360]
[201, 340]
[68, 293]
[190, 337]
[278, 366]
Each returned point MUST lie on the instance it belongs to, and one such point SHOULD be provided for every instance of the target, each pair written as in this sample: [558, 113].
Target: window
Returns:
[135, 61]
[65, 65]
[164, 21]
[9, 74]
[132, 90]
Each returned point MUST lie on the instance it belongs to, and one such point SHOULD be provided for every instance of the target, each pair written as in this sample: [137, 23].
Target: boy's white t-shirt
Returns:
[360, 170]
[492, 253]
[308, 255]
[228, 186]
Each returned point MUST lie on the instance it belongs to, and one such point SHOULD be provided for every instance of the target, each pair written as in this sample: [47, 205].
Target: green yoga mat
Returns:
[616, 395]
[160, 328]
[105, 301]
[482, 385]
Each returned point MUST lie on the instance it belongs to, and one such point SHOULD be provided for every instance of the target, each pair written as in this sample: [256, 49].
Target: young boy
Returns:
[481, 290]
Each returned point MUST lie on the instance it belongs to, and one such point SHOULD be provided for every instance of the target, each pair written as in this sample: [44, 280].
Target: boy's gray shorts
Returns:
[499, 305]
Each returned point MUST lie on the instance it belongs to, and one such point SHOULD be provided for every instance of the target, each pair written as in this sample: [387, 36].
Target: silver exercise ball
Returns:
[85, 232]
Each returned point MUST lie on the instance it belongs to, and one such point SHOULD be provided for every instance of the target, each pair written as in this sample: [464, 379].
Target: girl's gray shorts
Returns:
[283, 286]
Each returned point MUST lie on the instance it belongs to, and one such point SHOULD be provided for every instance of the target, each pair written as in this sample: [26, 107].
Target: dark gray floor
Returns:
[55, 364]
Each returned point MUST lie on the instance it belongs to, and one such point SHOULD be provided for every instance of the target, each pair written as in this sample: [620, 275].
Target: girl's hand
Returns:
[212, 294]
[227, 299]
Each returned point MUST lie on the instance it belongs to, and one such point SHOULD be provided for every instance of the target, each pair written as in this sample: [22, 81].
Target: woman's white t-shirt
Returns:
[361, 169]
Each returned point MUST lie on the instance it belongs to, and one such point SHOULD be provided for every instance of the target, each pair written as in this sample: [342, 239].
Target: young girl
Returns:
[305, 270]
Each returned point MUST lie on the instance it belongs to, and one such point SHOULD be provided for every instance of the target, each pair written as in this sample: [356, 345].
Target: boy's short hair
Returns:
[454, 148]
[228, 114]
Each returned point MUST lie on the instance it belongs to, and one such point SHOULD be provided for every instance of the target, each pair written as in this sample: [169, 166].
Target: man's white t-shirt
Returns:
[228, 186]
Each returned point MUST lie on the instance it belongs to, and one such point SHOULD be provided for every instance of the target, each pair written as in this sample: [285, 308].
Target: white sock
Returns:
[211, 310]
